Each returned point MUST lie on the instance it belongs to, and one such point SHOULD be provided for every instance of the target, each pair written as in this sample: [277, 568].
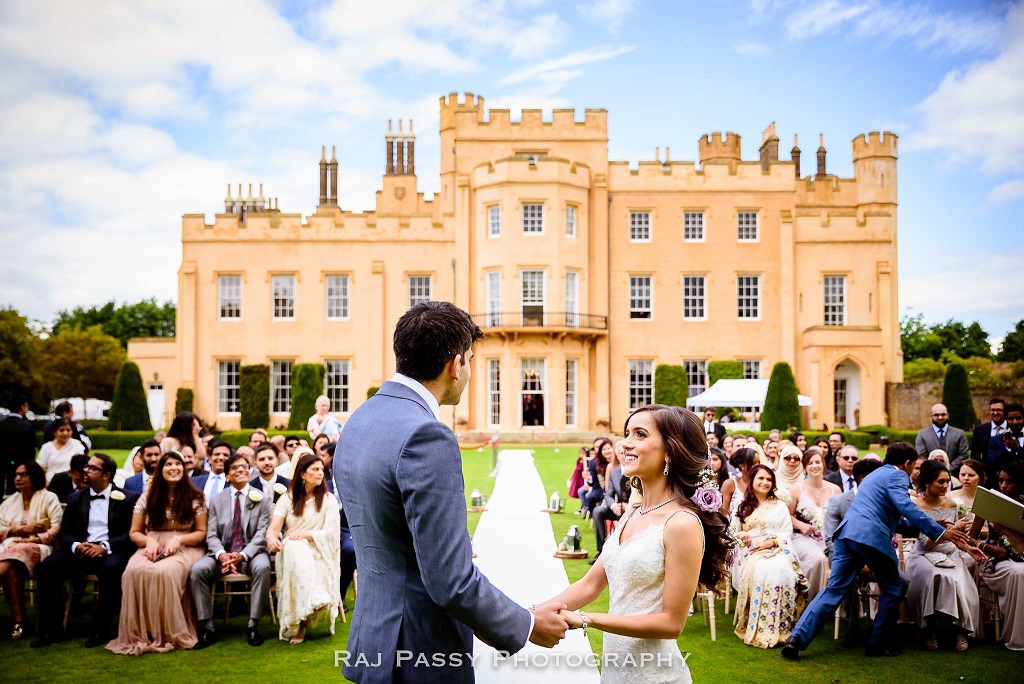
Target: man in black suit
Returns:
[1008, 446]
[984, 433]
[268, 480]
[713, 426]
[65, 484]
[846, 459]
[616, 496]
[65, 410]
[17, 442]
[93, 540]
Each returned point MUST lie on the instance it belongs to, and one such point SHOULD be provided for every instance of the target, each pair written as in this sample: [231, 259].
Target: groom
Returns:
[864, 537]
[399, 474]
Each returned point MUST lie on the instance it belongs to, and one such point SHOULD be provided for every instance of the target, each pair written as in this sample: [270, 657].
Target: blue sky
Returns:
[119, 117]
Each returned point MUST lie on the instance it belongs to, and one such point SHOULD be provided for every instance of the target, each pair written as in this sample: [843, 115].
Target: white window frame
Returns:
[641, 382]
[228, 299]
[336, 295]
[533, 218]
[282, 297]
[744, 225]
[281, 392]
[748, 308]
[571, 392]
[227, 394]
[751, 369]
[493, 393]
[528, 291]
[695, 305]
[570, 220]
[493, 303]
[640, 229]
[637, 297]
[834, 298]
[696, 375]
[337, 383]
[417, 289]
[572, 299]
[693, 226]
[494, 220]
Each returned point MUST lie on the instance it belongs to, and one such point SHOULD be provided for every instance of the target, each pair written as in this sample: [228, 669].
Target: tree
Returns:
[919, 340]
[956, 395]
[79, 362]
[1012, 348]
[19, 367]
[145, 318]
[782, 402]
[129, 409]
[307, 385]
[671, 386]
[254, 396]
[724, 370]
[184, 399]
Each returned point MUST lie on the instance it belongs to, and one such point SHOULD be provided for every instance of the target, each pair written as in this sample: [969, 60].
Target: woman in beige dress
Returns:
[309, 553]
[169, 527]
[808, 501]
[29, 521]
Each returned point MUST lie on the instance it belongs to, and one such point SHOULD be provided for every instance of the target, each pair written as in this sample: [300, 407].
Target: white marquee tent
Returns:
[736, 393]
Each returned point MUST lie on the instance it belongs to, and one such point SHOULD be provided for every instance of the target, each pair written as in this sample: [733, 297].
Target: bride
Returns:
[655, 558]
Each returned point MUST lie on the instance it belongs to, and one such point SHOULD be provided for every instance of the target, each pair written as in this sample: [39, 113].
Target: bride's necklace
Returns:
[654, 508]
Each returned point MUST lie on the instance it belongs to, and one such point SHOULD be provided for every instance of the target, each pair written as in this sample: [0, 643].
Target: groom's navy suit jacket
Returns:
[398, 471]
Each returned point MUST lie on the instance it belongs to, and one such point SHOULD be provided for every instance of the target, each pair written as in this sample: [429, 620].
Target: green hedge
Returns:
[724, 370]
[307, 385]
[254, 396]
[861, 440]
[237, 438]
[184, 399]
[671, 386]
[129, 409]
[102, 439]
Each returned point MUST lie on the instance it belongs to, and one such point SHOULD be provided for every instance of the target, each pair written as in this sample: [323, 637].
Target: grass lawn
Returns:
[728, 660]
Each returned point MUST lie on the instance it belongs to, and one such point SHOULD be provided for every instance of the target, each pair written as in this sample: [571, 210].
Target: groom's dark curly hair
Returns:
[429, 335]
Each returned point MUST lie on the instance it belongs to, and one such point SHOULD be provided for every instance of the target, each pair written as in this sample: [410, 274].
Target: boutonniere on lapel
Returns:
[279, 488]
[116, 495]
[255, 496]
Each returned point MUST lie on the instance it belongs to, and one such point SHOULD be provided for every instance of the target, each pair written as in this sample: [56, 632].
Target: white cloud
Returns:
[821, 17]
[565, 63]
[610, 13]
[1007, 192]
[750, 49]
[977, 113]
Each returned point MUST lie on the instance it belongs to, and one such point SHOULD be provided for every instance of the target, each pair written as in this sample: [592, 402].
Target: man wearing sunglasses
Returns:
[843, 478]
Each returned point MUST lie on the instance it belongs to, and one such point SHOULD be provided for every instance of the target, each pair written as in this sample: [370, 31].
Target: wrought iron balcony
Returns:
[537, 319]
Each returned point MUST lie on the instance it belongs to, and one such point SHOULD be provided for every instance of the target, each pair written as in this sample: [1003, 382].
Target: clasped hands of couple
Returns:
[550, 622]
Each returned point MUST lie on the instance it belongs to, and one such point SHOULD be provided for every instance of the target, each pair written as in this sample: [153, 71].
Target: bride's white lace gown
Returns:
[636, 582]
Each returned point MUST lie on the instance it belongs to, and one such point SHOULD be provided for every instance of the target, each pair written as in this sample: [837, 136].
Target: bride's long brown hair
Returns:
[682, 437]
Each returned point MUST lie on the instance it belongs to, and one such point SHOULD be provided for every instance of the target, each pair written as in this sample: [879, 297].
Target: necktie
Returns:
[849, 483]
[942, 434]
[93, 497]
[237, 539]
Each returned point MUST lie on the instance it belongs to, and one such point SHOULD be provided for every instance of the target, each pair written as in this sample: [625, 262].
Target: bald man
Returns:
[941, 435]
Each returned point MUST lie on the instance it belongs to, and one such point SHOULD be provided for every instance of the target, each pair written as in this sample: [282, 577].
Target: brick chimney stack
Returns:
[389, 167]
[411, 152]
[795, 153]
[332, 198]
[821, 155]
[323, 175]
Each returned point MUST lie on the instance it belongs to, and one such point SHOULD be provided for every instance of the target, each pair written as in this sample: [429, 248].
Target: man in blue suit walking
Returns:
[864, 537]
[399, 474]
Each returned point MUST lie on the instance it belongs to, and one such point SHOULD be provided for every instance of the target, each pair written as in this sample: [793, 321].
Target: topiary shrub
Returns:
[781, 404]
[129, 409]
[724, 370]
[956, 395]
[183, 400]
[254, 396]
[307, 385]
[671, 386]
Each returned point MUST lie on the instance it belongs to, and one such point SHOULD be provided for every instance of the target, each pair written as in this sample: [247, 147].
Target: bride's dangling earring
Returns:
[666, 468]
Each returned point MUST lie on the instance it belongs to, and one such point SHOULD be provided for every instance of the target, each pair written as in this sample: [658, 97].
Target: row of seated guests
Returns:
[156, 553]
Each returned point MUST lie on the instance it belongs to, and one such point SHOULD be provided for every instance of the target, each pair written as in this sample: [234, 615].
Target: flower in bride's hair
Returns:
[707, 499]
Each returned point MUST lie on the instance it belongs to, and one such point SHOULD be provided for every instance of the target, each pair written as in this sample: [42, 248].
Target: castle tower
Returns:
[719, 148]
[874, 167]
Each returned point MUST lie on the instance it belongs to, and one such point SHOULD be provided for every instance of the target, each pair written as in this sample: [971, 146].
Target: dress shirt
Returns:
[998, 429]
[940, 432]
[419, 389]
[849, 483]
[211, 482]
[98, 530]
[245, 497]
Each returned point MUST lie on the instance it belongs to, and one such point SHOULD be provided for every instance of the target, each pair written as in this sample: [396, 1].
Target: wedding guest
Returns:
[17, 441]
[940, 582]
[267, 479]
[807, 507]
[727, 445]
[712, 439]
[799, 440]
[186, 428]
[64, 484]
[942, 457]
[291, 443]
[258, 436]
[716, 457]
[790, 470]
[133, 465]
[65, 411]
[733, 491]
[193, 468]
[575, 481]
[972, 476]
[616, 497]
[597, 468]
[309, 555]
[29, 521]
[1003, 573]
[94, 540]
[139, 483]
[169, 529]
[215, 481]
[55, 456]
[713, 426]
[772, 590]
[771, 453]
[915, 489]
[846, 457]
[236, 539]
[322, 422]
[588, 482]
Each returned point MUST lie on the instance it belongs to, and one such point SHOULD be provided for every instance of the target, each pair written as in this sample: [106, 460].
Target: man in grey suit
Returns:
[399, 475]
[236, 537]
[941, 435]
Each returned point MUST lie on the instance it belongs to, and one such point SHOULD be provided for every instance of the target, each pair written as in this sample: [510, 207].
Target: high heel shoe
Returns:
[18, 631]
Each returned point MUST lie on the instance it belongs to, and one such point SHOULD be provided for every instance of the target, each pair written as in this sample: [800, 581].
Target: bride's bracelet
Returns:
[585, 619]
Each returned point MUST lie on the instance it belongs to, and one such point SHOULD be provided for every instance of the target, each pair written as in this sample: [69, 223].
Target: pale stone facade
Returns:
[584, 273]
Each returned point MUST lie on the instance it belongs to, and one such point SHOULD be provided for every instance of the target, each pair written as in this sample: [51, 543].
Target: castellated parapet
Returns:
[875, 144]
[718, 148]
[469, 112]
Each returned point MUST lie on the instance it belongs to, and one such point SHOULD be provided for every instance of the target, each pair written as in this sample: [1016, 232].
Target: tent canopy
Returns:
[736, 393]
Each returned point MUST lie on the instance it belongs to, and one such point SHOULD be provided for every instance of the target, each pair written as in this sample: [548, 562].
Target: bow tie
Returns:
[93, 497]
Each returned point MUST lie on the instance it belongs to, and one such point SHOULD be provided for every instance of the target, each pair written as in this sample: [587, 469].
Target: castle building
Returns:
[585, 274]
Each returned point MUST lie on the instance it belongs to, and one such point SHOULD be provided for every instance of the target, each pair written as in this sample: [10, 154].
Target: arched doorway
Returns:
[846, 394]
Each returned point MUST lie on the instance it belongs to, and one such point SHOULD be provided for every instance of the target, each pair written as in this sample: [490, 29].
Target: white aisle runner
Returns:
[515, 550]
